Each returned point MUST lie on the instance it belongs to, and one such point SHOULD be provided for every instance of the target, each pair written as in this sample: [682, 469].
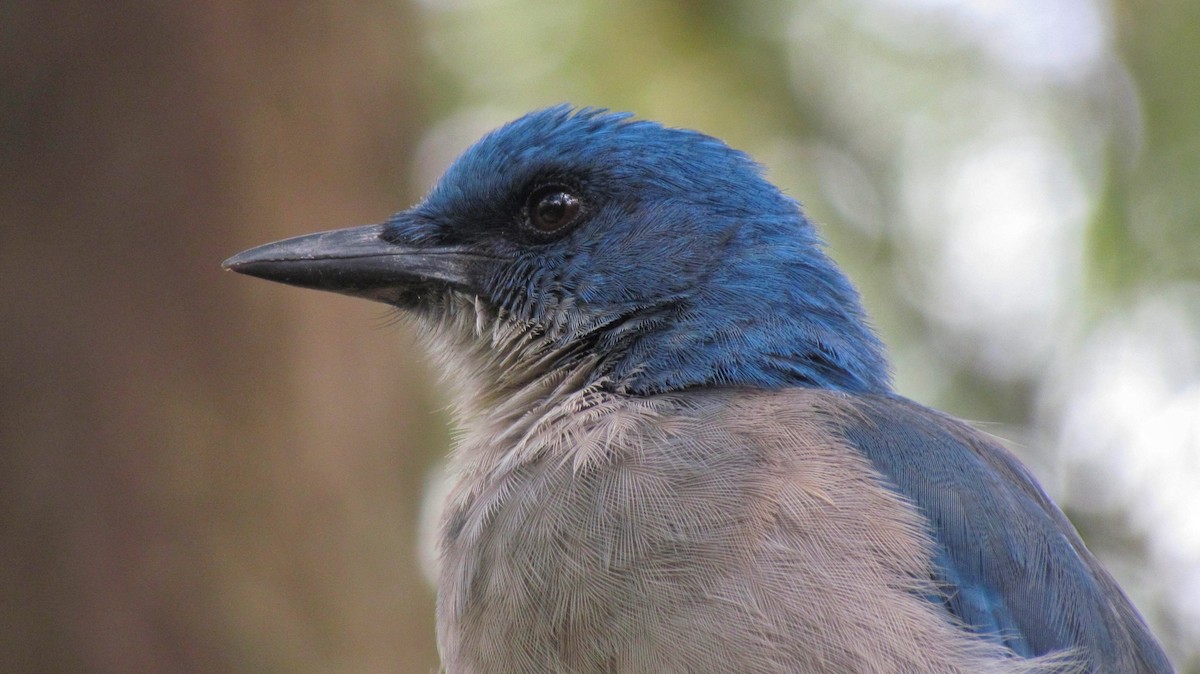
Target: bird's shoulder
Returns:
[1011, 565]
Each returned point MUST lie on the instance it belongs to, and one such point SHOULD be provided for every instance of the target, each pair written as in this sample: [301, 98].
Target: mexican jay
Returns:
[681, 449]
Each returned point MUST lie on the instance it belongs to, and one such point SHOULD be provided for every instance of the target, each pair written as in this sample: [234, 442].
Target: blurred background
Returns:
[201, 472]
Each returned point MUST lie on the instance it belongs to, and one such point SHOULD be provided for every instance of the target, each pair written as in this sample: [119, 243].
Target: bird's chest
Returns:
[533, 565]
[558, 564]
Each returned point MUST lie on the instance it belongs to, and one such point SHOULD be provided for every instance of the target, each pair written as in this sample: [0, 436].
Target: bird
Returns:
[680, 446]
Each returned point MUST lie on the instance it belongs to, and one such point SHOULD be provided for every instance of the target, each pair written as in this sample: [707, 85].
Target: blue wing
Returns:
[1013, 567]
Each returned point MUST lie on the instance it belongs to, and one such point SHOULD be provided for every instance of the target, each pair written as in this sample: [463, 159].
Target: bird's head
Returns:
[621, 253]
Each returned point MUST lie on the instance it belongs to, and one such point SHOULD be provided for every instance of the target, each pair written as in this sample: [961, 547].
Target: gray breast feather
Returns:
[721, 532]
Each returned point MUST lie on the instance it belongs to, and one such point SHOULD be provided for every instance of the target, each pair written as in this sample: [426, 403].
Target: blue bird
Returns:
[681, 448]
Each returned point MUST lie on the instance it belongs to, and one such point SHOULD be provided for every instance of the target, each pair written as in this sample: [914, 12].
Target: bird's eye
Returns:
[553, 208]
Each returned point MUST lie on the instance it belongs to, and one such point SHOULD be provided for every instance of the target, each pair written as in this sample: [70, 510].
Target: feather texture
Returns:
[713, 532]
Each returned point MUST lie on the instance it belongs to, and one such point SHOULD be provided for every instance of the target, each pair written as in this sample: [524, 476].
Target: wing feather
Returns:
[1013, 566]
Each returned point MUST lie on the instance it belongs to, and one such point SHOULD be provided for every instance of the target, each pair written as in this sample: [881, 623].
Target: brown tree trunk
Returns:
[202, 472]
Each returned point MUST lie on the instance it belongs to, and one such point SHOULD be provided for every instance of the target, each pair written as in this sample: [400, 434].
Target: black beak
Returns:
[359, 261]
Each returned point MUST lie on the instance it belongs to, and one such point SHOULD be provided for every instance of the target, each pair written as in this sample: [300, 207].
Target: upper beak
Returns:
[358, 261]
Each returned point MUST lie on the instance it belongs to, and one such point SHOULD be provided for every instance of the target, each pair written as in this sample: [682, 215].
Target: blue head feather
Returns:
[686, 267]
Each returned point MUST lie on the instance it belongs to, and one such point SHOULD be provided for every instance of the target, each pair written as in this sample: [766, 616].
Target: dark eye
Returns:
[552, 208]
